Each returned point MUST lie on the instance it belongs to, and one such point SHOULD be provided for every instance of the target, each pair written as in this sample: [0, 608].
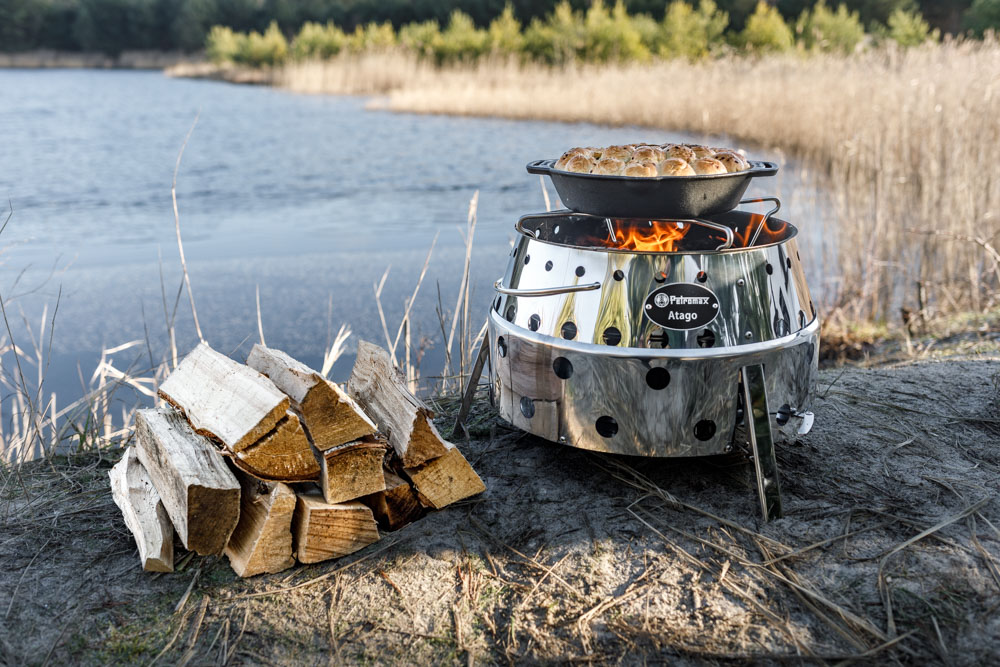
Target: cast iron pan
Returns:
[675, 197]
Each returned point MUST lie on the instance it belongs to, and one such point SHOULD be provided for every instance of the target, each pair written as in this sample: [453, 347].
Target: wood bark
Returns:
[445, 480]
[262, 541]
[200, 494]
[323, 531]
[351, 470]
[405, 420]
[283, 455]
[331, 417]
[144, 513]
[224, 399]
[395, 507]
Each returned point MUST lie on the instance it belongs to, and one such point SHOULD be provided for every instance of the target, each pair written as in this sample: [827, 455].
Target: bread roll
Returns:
[582, 164]
[568, 155]
[623, 153]
[679, 151]
[700, 151]
[733, 162]
[609, 166]
[649, 154]
[674, 166]
[708, 165]
[640, 169]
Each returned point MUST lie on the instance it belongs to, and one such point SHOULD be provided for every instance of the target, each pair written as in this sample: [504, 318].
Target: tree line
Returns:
[113, 26]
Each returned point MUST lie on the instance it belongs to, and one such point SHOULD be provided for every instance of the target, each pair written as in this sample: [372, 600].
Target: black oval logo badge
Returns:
[681, 306]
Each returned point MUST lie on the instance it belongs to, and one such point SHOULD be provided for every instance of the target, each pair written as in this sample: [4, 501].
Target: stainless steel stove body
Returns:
[599, 342]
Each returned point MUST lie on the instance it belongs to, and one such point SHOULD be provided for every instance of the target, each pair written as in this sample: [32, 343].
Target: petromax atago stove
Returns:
[661, 338]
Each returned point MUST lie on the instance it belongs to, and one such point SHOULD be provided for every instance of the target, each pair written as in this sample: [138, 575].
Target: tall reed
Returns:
[903, 140]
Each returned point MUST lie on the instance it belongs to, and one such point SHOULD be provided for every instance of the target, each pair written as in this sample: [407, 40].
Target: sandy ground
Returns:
[889, 552]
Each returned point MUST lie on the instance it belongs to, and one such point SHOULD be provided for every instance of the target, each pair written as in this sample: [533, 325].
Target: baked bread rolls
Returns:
[674, 166]
[582, 164]
[623, 153]
[704, 166]
[679, 151]
[640, 169]
[733, 162]
[609, 166]
[649, 160]
[649, 154]
[700, 151]
[568, 155]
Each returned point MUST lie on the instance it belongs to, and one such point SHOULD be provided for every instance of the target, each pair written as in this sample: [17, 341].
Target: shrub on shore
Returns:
[600, 34]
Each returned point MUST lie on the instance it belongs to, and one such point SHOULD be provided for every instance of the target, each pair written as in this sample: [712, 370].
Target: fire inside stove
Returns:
[665, 236]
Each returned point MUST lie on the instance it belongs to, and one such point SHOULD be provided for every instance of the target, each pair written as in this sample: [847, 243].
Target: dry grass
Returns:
[889, 554]
[904, 139]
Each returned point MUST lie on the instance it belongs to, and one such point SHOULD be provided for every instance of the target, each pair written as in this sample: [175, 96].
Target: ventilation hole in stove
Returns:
[511, 312]
[701, 277]
[788, 262]
[658, 378]
[706, 338]
[783, 415]
[606, 426]
[562, 367]
[802, 318]
[568, 331]
[527, 407]
[501, 347]
[548, 265]
[659, 338]
[660, 277]
[527, 258]
[612, 336]
[704, 430]
[580, 271]
[619, 274]
[534, 322]
[769, 268]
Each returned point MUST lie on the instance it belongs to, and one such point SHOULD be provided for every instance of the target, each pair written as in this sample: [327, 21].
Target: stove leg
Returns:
[761, 441]
[470, 389]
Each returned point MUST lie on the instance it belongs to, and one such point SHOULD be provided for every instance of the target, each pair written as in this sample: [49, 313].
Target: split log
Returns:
[352, 470]
[200, 494]
[144, 514]
[395, 507]
[404, 419]
[331, 417]
[283, 455]
[223, 398]
[324, 531]
[445, 480]
[262, 541]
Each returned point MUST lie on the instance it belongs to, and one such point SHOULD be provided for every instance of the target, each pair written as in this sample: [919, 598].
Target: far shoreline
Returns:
[137, 60]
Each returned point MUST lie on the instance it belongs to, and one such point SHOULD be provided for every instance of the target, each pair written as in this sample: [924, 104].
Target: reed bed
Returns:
[902, 138]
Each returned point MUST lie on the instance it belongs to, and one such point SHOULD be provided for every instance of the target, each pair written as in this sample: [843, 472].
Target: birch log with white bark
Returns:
[331, 417]
[200, 494]
[404, 419]
[144, 514]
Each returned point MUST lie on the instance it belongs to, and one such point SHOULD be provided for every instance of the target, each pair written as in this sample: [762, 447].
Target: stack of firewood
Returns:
[271, 463]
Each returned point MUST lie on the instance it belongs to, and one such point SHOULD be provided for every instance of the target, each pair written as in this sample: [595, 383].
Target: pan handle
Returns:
[764, 168]
[545, 291]
[539, 166]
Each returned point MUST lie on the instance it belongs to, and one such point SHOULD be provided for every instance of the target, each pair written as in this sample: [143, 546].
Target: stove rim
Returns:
[566, 213]
[653, 354]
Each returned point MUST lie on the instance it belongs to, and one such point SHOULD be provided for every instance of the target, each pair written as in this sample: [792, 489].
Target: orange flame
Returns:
[659, 236]
[769, 233]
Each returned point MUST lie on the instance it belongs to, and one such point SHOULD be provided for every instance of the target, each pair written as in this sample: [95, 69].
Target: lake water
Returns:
[309, 198]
